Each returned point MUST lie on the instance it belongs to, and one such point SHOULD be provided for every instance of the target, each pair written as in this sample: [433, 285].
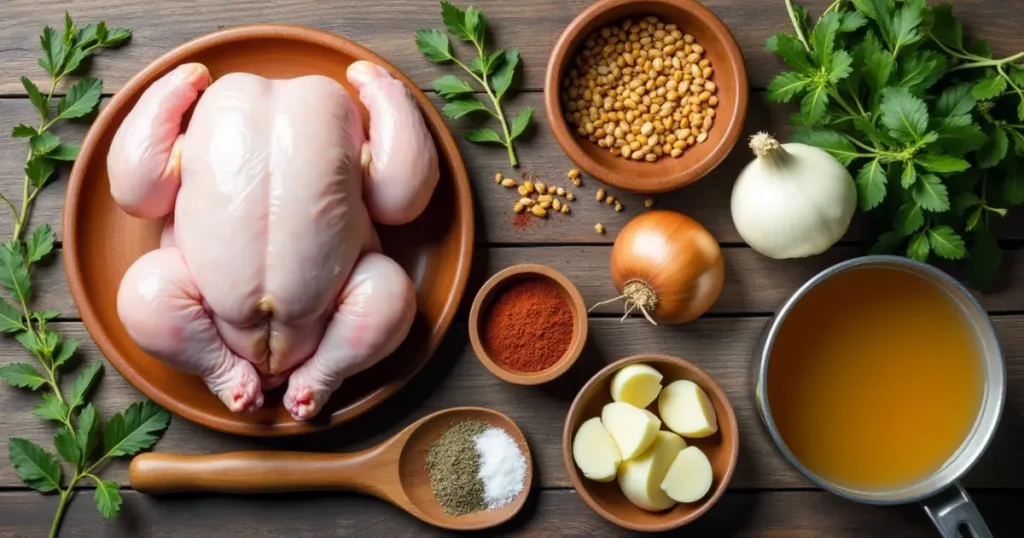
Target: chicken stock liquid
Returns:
[875, 379]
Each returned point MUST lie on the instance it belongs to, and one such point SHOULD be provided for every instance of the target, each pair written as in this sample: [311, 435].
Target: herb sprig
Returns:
[492, 71]
[923, 118]
[81, 438]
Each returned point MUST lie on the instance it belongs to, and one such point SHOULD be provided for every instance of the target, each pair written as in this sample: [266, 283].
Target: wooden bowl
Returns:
[101, 241]
[667, 173]
[499, 282]
[606, 498]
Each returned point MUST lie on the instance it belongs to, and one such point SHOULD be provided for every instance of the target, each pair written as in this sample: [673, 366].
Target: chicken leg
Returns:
[375, 311]
[162, 309]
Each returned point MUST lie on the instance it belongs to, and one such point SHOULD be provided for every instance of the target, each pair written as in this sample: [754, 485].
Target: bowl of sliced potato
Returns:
[650, 442]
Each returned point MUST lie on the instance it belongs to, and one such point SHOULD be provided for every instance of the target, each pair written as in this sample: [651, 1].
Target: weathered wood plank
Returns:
[531, 25]
[753, 283]
[706, 201]
[724, 347]
[548, 513]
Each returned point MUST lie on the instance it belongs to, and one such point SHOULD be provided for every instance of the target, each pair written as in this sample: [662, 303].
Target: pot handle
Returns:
[952, 510]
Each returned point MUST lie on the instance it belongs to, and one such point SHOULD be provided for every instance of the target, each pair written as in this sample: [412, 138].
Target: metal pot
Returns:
[941, 494]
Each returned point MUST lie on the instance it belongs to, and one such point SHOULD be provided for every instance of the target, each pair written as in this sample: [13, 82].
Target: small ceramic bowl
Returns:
[667, 173]
[492, 288]
[722, 448]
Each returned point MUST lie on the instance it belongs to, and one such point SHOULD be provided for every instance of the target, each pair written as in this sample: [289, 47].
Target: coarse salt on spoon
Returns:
[395, 471]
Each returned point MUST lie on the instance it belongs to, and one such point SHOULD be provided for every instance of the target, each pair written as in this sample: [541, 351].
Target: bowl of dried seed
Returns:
[646, 95]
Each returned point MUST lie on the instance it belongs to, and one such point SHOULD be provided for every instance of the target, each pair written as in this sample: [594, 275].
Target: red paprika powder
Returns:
[529, 326]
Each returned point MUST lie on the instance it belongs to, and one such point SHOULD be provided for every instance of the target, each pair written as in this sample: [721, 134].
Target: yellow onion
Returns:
[667, 266]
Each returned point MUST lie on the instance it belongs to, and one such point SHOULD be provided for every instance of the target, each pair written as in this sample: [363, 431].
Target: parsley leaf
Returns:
[434, 45]
[108, 498]
[135, 428]
[905, 115]
[39, 244]
[450, 86]
[942, 163]
[946, 243]
[502, 78]
[909, 219]
[994, 149]
[455, 21]
[36, 467]
[823, 36]
[871, 184]
[51, 408]
[919, 247]
[946, 28]
[521, 122]
[791, 51]
[84, 383]
[460, 107]
[786, 85]
[814, 104]
[989, 87]
[930, 193]
[81, 99]
[484, 136]
[955, 101]
[22, 375]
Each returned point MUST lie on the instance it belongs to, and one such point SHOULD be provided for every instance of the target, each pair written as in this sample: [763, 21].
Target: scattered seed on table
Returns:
[539, 211]
[600, 194]
[498, 177]
[599, 228]
[508, 183]
[649, 202]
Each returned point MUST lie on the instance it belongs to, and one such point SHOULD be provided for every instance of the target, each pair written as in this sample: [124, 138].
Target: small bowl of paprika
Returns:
[528, 324]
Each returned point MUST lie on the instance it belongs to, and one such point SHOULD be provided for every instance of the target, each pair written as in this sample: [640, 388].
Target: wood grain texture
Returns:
[387, 26]
[559, 513]
[707, 201]
[454, 377]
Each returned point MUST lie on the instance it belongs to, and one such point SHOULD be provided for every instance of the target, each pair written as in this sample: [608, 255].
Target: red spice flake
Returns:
[522, 220]
[529, 326]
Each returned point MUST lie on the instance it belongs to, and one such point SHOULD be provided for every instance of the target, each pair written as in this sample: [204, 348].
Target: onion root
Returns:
[638, 295]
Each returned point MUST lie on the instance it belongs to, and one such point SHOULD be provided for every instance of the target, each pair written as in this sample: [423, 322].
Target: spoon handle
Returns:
[260, 472]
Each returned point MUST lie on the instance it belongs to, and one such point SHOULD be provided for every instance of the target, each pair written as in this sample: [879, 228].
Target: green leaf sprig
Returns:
[923, 119]
[81, 440]
[493, 72]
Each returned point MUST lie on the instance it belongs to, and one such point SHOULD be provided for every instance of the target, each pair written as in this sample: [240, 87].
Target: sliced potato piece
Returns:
[632, 428]
[636, 384]
[686, 410]
[640, 478]
[689, 478]
[595, 452]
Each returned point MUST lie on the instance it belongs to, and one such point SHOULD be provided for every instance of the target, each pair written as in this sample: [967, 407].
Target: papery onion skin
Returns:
[674, 255]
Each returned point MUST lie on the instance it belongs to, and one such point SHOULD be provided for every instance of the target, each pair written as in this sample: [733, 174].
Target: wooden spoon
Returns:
[394, 471]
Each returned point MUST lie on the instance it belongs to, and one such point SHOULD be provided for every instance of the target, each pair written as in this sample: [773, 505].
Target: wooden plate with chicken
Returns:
[268, 230]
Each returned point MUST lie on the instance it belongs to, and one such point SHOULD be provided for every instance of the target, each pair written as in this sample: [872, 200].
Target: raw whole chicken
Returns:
[269, 270]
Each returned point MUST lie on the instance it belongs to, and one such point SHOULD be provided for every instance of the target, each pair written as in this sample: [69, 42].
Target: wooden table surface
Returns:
[767, 498]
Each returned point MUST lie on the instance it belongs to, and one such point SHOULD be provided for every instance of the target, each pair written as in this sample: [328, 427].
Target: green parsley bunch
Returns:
[923, 118]
[492, 71]
[81, 439]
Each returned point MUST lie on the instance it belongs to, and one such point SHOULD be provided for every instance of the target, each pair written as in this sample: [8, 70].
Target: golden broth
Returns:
[875, 379]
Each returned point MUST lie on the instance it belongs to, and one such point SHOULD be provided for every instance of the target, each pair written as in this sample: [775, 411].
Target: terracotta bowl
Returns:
[494, 286]
[101, 241]
[667, 173]
[606, 498]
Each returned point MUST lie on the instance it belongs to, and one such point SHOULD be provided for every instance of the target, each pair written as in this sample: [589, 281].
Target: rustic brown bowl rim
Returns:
[644, 182]
[495, 284]
[728, 422]
[142, 80]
